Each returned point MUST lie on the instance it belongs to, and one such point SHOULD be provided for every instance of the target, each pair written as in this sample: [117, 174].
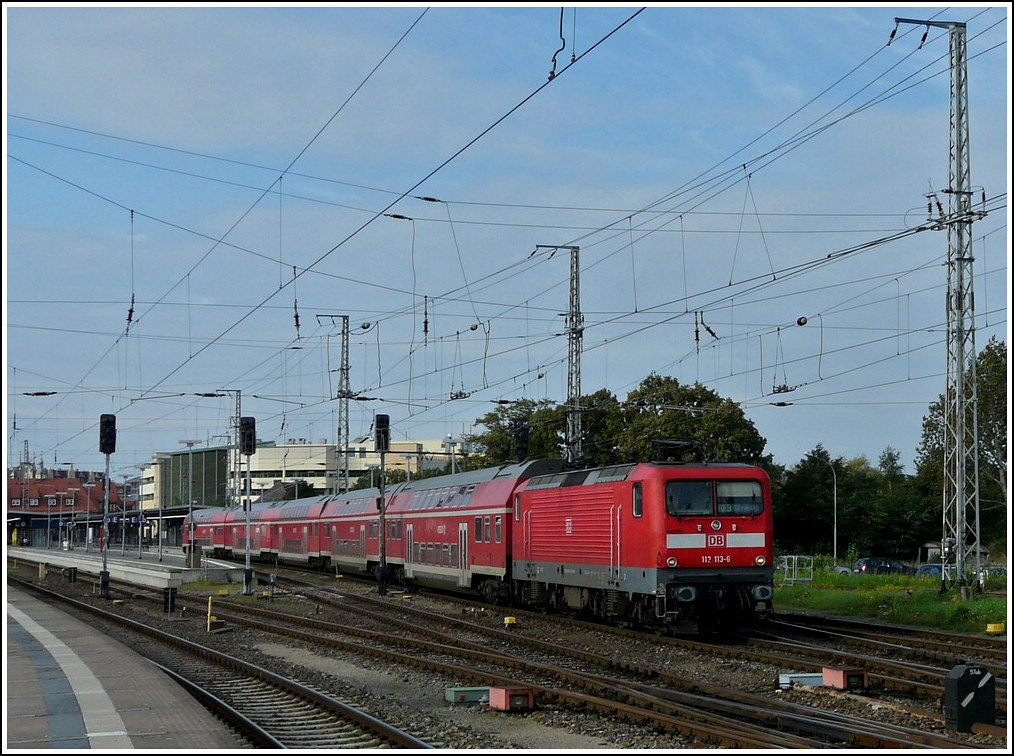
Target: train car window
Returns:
[454, 555]
[486, 525]
[688, 497]
[478, 530]
[468, 495]
[739, 497]
[447, 555]
[374, 529]
[498, 529]
[637, 500]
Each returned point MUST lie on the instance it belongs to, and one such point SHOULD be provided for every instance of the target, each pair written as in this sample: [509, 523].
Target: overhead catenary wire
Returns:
[528, 310]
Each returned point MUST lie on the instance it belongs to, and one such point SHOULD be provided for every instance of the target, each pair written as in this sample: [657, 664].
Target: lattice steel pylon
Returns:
[235, 464]
[960, 545]
[575, 337]
[343, 395]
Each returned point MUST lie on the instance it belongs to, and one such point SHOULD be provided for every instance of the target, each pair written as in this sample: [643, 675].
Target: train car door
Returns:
[464, 578]
[614, 544]
[409, 549]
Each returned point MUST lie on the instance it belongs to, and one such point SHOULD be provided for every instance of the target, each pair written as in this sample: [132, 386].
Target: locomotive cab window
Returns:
[637, 500]
[688, 497]
[704, 498]
[738, 497]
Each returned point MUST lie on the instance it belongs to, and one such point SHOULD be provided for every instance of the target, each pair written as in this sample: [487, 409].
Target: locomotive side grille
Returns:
[534, 592]
[616, 602]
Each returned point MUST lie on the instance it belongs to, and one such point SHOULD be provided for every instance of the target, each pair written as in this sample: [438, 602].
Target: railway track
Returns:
[464, 642]
[269, 710]
[921, 644]
[897, 660]
[709, 714]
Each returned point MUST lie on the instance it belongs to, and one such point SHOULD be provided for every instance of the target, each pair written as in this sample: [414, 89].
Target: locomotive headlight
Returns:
[671, 561]
[760, 561]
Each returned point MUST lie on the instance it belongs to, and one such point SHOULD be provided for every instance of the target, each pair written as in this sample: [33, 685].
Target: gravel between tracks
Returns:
[413, 699]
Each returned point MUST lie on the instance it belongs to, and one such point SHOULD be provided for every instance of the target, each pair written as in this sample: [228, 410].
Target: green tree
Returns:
[601, 425]
[660, 419]
[661, 411]
[804, 506]
[991, 394]
[907, 519]
[879, 510]
[522, 429]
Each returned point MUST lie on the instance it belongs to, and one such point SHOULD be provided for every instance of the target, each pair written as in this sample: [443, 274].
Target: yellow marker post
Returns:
[210, 618]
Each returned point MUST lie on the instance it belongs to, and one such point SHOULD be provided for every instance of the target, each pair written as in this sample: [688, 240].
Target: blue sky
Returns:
[727, 173]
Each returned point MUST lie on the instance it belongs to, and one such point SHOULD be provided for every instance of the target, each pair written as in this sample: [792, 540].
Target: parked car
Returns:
[933, 570]
[881, 566]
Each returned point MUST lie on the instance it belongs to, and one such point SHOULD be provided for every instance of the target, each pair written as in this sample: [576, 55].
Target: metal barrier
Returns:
[795, 568]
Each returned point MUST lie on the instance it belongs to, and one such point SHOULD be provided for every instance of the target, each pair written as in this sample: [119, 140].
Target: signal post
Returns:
[382, 442]
[247, 446]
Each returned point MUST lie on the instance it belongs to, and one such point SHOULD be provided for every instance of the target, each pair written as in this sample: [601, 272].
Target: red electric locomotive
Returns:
[648, 543]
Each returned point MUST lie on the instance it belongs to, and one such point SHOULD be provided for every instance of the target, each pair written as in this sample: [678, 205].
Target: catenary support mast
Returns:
[575, 335]
[960, 533]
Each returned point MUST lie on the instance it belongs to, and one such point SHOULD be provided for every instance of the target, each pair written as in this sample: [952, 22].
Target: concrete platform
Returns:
[170, 572]
[71, 687]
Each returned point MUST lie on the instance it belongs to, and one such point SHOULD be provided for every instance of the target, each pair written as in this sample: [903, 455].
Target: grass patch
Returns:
[899, 599]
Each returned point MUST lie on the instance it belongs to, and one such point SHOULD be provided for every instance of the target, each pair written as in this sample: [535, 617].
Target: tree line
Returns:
[880, 509]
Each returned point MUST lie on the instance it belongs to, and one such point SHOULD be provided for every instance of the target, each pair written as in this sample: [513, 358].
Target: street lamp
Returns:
[140, 511]
[160, 459]
[73, 517]
[190, 500]
[450, 443]
[124, 501]
[834, 546]
[88, 515]
[50, 503]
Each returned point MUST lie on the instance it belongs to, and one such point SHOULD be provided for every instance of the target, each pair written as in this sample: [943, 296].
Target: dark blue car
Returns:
[881, 566]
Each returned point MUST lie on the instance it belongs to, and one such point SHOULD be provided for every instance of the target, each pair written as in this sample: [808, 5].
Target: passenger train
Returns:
[642, 544]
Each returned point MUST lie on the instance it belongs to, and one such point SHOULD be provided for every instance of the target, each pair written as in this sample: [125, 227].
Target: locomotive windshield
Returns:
[705, 498]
